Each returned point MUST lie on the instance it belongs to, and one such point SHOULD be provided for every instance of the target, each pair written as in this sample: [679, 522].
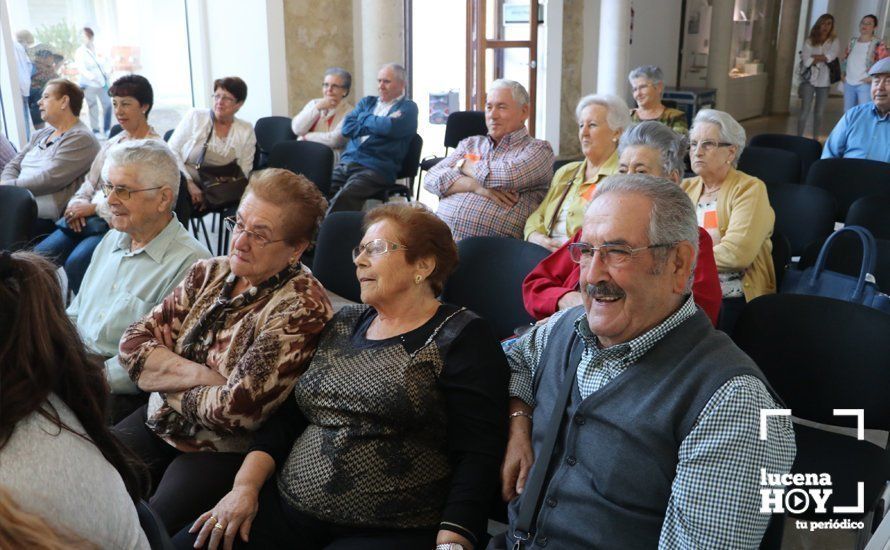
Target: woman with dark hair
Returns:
[228, 139]
[819, 49]
[393, 437]
[862, 52]
[321, 119]
[88, 215]
[56, 159]
[57, 455]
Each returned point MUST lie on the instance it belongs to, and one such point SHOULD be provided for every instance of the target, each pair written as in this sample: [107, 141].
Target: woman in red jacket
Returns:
[647, 148]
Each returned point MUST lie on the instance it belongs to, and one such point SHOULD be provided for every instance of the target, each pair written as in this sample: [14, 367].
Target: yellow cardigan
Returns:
[745, 220]
[572, 174]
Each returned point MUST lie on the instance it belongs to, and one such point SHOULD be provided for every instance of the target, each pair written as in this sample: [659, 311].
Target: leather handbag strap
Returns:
[531, 497]
[200, 162]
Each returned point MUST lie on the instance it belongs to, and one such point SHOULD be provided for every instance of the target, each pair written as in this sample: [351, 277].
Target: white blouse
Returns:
[192, 130]
[819, 76]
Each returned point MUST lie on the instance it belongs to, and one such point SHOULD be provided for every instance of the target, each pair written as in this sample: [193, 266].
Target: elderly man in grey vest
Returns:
[653, 415]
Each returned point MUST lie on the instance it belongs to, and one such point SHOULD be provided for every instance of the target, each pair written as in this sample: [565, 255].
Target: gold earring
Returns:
[417, 279]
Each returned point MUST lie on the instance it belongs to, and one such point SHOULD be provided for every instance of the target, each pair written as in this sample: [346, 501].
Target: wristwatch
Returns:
[450, 546]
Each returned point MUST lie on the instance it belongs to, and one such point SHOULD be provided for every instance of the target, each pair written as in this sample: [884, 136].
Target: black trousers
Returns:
[277, 525]
[184, 485]
[353, 184]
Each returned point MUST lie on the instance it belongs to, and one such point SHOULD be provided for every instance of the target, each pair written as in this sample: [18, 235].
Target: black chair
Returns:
[168, 134]
[850, 179]
[313, 160]
[845, 257]
[115, 130]
[489, 280]
[460, 125]
[154, 529]
[270, 131]
[821, 354]
[183, 207]
[18, 213]
[557, 164]
[332, 265]
[770, 165]
[409, 170]
[781, 255]
[808, 150]
[872, 213]
[804, 214]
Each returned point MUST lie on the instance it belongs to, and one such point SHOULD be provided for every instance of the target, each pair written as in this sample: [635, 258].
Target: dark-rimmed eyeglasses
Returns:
[611, 254]
[377, 247]
[238, 228]
[122, 192]
[707, 145]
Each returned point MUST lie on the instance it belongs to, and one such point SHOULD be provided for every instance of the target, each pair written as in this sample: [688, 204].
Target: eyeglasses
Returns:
[708, 145]
[237, 228]
[122, 192]
[327, 85]
[377, 247]
[222, 98]
[612, 255]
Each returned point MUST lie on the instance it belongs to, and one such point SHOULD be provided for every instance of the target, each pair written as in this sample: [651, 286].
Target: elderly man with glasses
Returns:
[138, 262]
[662, 437]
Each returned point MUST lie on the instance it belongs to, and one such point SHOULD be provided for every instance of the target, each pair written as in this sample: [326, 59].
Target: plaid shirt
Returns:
[715, 495]
[517, 163]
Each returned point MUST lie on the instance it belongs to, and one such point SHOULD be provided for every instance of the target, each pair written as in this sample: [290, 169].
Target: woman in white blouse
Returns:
[819, 49]
[321, 119]
[231, 138]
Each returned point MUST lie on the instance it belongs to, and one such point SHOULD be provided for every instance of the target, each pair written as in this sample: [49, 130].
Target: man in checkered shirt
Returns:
[660, 442]
[491, 184]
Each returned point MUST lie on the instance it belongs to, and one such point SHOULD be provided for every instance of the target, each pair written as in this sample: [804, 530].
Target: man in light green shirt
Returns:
[141, 260]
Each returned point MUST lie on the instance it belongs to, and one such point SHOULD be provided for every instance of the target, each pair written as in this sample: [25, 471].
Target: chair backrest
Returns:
[850, 179]
[845, 257]
[557, 164]
[313, 160]
[272, 130]
[332, 262]
[154, 529]
[168, 134]
[489, 278]
[115, 130]
[18, 212]
[411, 162]
[808, 150]
[781, 255]
[872, 213]
[463, 124]
[820, 354]
[770, 165]
[183, 207]
[804, 214]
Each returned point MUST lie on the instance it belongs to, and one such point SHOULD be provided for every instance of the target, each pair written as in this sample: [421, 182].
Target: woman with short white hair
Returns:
[648, 86]
[734, 209]
[601, 120]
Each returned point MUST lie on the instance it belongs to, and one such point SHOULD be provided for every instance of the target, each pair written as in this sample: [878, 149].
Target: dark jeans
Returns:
[72, 253]
[352, 185]
[185, 484]
[277, 525]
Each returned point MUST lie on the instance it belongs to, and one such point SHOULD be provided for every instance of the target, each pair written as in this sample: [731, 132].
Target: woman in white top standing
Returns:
[321, 119]
[861, 54]
[93, 79]
[231, 138]
[819, 49]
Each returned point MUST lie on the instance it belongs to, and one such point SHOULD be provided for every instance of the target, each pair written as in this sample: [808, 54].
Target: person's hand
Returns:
[164, 336]
[76, 214]
[196, 194]
[505, 199]
[569, 299]
[542, 240]
[233, 514]
[469, 167]
[518, 459]
[325, 103]
[396, 114]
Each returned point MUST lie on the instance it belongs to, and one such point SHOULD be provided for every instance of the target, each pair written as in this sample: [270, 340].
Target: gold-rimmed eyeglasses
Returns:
[611, 254]
[377, 247]
[238, 228]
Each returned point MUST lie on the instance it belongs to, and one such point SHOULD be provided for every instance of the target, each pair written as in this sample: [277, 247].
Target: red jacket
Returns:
[558, 275]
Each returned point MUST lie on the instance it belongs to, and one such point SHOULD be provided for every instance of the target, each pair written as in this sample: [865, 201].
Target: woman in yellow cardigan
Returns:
[733, 207]
[601, 120]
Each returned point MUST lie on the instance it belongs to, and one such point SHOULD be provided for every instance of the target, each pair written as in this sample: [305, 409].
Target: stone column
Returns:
[786, 57]
[382, 29]
[614, 48]
[718, 49]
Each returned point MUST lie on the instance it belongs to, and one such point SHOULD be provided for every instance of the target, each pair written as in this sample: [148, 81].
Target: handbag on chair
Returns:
[818, 281]
[222, 185]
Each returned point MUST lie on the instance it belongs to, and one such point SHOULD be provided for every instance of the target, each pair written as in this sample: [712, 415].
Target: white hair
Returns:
[617, 115]
[157, 165]
[730, 130]
[649, 133]
[651, 73]
[520, 95]
[400, 72]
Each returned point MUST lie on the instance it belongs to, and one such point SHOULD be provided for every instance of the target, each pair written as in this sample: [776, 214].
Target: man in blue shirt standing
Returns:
[864, 131]
[380, 130]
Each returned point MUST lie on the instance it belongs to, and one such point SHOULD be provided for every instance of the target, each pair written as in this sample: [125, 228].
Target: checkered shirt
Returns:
[715, 495]
[518, 163]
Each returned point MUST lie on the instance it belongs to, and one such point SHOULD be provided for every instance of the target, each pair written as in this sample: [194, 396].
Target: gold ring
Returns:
[218, 526]
[212, 519]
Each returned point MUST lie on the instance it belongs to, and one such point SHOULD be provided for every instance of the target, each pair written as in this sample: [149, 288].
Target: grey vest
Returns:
[616, 455]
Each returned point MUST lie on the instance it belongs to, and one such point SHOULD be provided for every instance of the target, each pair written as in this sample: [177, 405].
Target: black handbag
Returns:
[834, 70]
[222, 185]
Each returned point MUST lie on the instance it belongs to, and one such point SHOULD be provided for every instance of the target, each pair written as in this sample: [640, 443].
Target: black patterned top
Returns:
[405, 432]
